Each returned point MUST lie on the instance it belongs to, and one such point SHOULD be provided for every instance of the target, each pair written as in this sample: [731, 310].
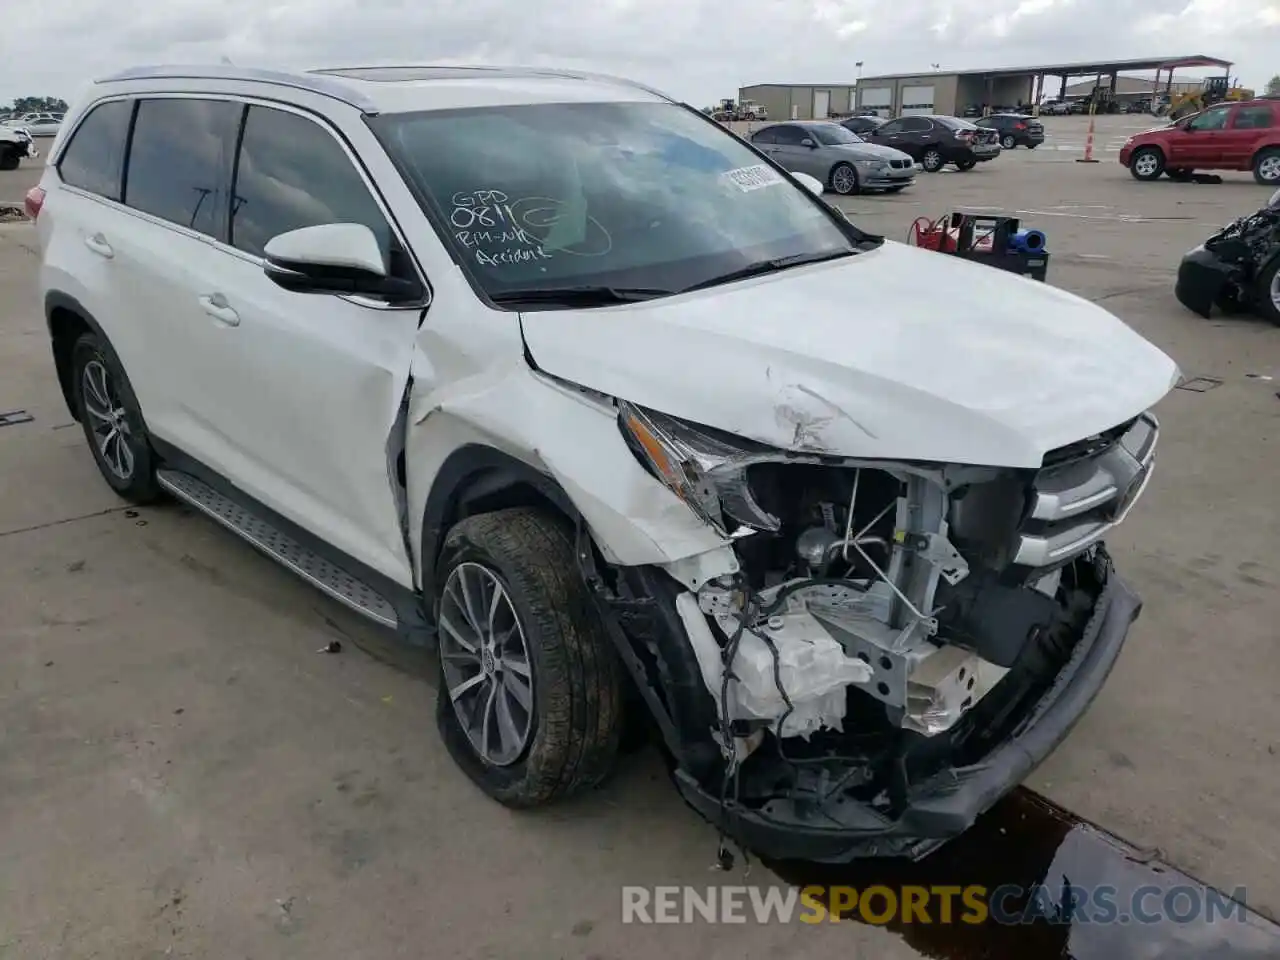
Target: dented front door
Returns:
[298, 393]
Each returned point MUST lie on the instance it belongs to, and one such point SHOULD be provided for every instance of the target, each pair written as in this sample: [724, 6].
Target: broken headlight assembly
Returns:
[704, 467]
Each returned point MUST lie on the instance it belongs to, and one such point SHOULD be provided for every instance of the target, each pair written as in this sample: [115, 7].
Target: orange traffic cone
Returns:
[1088, 142]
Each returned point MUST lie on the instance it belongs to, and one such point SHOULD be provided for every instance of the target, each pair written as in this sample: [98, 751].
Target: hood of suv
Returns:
[895, 353]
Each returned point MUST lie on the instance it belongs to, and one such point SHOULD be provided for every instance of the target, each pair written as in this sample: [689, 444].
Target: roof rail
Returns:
[550, 72]
[299, 81]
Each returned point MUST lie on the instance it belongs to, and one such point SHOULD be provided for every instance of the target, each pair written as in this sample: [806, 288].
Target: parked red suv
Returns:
[1226, 136]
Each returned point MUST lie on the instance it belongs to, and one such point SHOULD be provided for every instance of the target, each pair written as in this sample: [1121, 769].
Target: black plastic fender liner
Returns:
[949, 803]
[55, 301]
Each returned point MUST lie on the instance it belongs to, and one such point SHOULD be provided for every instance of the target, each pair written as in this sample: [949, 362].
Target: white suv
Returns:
[553, 372]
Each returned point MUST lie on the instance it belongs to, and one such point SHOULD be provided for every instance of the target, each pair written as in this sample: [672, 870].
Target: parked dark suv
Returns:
[1014, 130]
[935, 141]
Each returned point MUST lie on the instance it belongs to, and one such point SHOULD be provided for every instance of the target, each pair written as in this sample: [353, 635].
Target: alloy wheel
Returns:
[1275, 289]
[1146, 165]
[485, 662]
[844, 180]
[1269, 168]
[932, 160]
[109, 422]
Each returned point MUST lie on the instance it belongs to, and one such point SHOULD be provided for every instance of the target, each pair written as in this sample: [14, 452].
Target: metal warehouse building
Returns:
[904, 94]
[787, 101]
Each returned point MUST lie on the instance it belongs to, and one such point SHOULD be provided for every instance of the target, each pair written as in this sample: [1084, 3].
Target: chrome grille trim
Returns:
[1075, 504]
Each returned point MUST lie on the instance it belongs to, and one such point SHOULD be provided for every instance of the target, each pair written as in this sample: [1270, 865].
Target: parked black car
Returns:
[863, 125]
[1015, 130]
[935, 141]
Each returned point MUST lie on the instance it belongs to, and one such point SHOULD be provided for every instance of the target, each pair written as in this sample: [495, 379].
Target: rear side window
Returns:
[292, 173]
[915, 125]
[1253, 118]
[94, 158]
[179, 161]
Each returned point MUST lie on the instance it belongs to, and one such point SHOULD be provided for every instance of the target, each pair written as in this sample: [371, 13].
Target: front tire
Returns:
[1266, 167]
[9, 159]
[844, 179]
[531, 696]
[112, 421]
[932, 160]
[1146, 164]
[1266, 291]
[1008, 142]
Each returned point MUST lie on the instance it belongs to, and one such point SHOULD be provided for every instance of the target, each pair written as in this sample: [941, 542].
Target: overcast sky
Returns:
[694, 49]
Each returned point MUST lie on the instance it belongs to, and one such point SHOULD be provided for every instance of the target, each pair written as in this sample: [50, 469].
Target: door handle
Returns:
[98, 244]
[216, 306]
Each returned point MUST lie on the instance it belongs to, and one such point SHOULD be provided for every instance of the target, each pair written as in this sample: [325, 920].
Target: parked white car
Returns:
[36, 124]
[553, 372]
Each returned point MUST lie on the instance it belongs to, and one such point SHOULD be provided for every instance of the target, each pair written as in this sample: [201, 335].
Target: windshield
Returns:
[832, 134]
[626, 195]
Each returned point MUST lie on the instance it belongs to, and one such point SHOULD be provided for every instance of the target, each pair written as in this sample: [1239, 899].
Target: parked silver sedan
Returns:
[835, 155]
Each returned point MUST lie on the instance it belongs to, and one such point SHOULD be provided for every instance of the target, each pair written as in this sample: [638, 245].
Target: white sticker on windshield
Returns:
[747, 179]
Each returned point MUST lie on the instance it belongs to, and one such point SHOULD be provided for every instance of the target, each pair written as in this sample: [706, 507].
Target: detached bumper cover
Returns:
[1202, 275]
[948, 804]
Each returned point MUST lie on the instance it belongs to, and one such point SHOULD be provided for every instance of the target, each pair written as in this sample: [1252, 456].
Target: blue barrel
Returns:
[1027, 241]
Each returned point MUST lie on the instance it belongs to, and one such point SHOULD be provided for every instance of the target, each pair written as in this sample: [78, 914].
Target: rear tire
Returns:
[112, 421]
[844, 179]
[565, 697]
[1147, 163]
[966, 165]
[1266, 167]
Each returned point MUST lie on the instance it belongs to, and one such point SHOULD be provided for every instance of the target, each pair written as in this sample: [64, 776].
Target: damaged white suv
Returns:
[553, 372]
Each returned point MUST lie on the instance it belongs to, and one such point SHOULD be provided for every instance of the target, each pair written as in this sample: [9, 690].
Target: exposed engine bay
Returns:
[887, 621]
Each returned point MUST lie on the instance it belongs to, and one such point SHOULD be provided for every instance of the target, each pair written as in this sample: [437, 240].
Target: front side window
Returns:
[916, 125]
[94, 158]
[179, 161]
[1209, 120]
[764, 136]
[292, 173]
[636, 195]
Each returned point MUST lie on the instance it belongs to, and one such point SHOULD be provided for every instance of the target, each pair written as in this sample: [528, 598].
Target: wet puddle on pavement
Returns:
[1156, 911]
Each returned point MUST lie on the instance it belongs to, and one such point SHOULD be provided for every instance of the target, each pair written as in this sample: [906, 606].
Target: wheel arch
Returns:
[67, 321]
[1265, 148]
[480, 479]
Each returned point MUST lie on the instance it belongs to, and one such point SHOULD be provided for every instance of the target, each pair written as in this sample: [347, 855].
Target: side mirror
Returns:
[332, 258]
[812, 184]
[806, 142]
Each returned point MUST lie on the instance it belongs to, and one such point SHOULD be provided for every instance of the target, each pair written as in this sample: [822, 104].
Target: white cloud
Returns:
[695, 49]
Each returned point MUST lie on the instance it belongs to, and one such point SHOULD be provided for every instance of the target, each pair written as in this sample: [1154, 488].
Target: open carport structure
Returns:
[949, 92]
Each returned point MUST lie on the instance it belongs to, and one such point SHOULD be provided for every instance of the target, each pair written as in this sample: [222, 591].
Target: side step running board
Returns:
[282, 548]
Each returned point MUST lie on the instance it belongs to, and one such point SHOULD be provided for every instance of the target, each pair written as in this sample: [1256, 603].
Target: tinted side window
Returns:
[1253, 118]
[893, 126]
[179, 161]
[916, 125]
[92, 160]
[985, 122]
[789, 135]
[292, 173]
[764, 136]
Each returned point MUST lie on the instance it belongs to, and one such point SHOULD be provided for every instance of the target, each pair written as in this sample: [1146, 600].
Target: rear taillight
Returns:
[965, 134]
[33, 201]
[1019, 125]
